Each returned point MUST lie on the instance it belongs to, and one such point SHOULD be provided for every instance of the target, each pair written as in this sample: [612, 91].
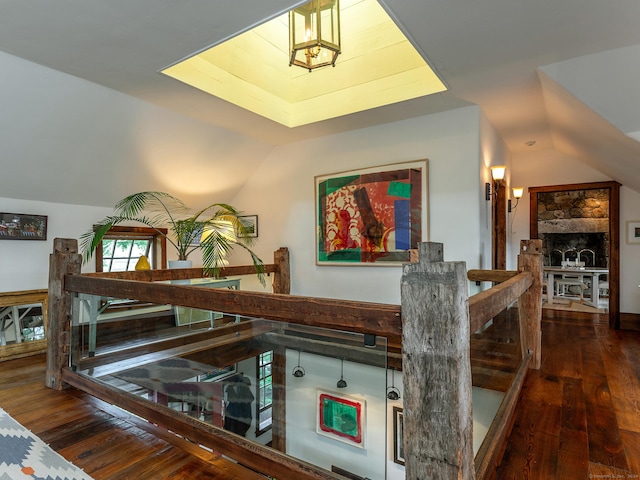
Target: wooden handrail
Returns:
[485, 305]
[361, 317]
[279, 267]
[22, 297]
[495, 276]
[178, 274]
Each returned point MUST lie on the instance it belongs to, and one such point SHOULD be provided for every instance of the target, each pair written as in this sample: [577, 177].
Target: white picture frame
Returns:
[633, 232]
[341, 417]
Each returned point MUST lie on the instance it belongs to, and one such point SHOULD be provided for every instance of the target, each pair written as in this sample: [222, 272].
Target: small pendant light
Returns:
[342, 382]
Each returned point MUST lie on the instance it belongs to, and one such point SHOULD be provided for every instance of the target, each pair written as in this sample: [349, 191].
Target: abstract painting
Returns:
[341, 417]
[373, 216]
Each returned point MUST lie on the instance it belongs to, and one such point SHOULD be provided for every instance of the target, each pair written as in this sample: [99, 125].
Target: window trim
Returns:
[158, 257]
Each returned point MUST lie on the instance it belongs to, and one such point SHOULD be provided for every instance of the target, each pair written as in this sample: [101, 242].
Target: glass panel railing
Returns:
[104, 324]
[496, 356]
[336, 413]
[317, 395]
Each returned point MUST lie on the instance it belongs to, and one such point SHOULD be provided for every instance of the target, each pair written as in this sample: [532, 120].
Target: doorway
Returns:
[580, 227]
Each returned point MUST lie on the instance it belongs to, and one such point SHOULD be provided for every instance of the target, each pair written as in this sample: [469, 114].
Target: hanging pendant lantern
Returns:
[314, 34]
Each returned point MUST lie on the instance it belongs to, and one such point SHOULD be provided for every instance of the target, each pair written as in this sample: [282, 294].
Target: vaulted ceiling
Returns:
[489, 52]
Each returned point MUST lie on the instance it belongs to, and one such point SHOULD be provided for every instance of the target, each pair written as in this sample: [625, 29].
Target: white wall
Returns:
[364, 383]
[549, 167]
[24, 264]
[281, 193]
[629, 253]
[64, 139]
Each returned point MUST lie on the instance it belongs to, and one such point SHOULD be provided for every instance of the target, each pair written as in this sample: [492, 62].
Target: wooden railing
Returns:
[438, 318]
[11, 301]
[433, 326]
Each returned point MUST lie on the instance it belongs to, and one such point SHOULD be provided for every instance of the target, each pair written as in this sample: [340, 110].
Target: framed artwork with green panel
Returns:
[341, 417]
[373, 216]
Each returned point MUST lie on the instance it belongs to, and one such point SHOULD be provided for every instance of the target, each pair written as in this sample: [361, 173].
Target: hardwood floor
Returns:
[578, 417]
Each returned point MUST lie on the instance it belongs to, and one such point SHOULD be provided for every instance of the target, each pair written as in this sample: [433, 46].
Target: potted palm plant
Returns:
[216, 229]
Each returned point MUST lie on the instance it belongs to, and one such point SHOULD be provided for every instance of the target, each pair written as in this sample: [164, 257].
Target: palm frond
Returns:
[217, 210]
[165, 208]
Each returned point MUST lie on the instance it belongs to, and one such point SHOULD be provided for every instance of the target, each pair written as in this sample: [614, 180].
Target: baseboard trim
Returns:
[630, 321]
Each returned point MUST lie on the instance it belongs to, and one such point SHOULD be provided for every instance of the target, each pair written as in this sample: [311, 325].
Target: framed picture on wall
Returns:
[372, 216]
[398, 432]
[341, 418]
[250, 223]
[633, 232]
[21, 226]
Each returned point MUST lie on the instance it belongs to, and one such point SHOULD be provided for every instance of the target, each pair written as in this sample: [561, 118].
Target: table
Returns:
[593, 272]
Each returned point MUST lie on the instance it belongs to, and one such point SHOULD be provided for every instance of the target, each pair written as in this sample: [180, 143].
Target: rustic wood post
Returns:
[530, 302]
[65, 260]
[438, 422]
[279, 405]
[281, 284]
[282, 278]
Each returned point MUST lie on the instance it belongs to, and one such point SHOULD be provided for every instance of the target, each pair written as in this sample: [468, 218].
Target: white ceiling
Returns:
[487, 52]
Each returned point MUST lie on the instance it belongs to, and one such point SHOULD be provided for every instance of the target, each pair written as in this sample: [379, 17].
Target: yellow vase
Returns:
[143, 263]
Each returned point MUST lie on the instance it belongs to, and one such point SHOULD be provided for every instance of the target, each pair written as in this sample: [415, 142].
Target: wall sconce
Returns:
[517, 194]
[497, 173]
[342, 382]
[298, 371]
[392, 392]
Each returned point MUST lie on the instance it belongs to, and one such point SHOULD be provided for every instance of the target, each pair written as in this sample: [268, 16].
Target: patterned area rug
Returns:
[24, 456]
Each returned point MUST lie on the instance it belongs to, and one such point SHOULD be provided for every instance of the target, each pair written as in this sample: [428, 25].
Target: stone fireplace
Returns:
[574, 225]
[590, 248]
